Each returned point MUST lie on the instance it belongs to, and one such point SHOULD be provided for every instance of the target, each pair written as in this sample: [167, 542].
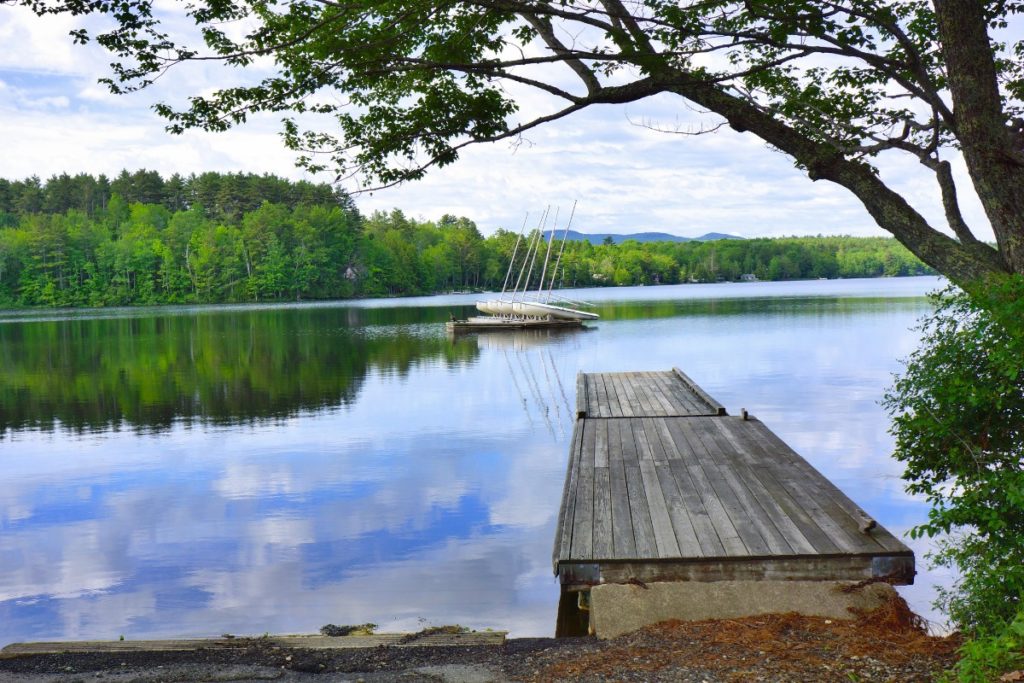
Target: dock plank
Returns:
[781, 535]
[647, 394]
[796, 479]
[746, 524]
[600, 428]
[623, 543]
[685, 401]
[793, 472]
[664, 534]
[690, 519]
[621, 395]
[690, 462]
[640, 513]
[627, 442]
[668, 393]
[603, 531]
[702, 395]
[563, 537]
[682, 523]
[789, 509]
[644, 391]
[614, 408]
[660, 397]
[651, 432]
[645, 452]
[583, 514]
[833, 492]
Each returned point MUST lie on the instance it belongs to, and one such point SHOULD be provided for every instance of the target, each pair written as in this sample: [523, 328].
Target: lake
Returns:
[193, 471]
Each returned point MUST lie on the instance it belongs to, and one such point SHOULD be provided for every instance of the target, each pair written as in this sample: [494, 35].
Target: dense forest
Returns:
[142, 239]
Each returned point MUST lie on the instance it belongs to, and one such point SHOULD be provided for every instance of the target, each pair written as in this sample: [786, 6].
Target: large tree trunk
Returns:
[993, 152]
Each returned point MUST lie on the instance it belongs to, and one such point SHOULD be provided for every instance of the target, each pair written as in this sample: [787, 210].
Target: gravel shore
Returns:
[889, 644]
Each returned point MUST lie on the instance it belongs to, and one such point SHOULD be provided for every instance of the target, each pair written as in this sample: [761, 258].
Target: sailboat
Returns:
[522, 305]
[533, 309]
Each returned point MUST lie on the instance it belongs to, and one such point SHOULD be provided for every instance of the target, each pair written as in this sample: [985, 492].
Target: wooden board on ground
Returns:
[663, 484]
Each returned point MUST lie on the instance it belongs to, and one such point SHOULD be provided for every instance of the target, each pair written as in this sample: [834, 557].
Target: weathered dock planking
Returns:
[664, 485]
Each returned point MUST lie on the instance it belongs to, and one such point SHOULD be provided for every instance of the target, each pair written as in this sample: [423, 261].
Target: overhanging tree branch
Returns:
[823, 162]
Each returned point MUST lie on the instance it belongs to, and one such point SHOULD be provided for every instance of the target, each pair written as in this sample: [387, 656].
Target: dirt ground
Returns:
[889, 644]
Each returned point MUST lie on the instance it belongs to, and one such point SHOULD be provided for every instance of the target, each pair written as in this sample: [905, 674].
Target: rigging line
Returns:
[561, 249]
[526, 258]
[547, 256]
[536, 252]
[508, 273]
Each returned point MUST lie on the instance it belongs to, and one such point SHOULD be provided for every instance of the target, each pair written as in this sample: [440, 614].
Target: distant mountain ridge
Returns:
[599, 237]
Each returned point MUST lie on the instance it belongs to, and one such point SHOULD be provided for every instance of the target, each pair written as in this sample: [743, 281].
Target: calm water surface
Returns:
[196, 471]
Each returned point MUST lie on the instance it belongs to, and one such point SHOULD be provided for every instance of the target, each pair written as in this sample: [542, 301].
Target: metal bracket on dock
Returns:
[579, 574]
[898, 568]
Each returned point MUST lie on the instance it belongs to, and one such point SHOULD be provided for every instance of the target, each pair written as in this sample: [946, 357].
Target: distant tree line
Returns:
[223, 195]
[140, 239]
[786, 258]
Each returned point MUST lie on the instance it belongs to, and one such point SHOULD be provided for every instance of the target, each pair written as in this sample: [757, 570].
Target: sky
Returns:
[625, 176]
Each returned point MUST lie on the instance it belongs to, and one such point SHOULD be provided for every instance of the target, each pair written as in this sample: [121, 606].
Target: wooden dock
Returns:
[493, 323]
[664, 485]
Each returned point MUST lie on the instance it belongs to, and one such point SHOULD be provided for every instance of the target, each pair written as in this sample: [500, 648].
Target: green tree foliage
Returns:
[87, 244]
[135, 253]
[831, 84]
[635, 263]
[222, 195]
[958, 415]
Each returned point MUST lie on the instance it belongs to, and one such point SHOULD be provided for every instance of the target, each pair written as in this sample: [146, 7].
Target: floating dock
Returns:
[489, 323]
[664, 485]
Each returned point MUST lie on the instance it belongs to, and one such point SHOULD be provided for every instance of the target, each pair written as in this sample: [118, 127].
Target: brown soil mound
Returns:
[890, 643]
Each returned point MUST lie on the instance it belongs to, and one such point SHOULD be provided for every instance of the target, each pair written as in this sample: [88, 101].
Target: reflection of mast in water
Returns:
[561, 387]
[554, 399]
[531, 394]
[519, 392]
[531, 381]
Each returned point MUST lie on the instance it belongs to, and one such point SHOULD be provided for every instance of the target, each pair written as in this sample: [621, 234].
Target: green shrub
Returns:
[958, 419]
[985, 657]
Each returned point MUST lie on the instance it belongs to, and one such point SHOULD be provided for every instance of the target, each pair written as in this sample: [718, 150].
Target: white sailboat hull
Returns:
[533, 309]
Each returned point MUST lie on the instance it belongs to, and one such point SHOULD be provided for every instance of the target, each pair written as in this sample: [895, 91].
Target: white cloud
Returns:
[627, 177]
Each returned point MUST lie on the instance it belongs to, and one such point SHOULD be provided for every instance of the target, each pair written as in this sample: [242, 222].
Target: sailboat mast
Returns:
[515, 250]
[532, 250]
[547, 256]
[561, 249]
